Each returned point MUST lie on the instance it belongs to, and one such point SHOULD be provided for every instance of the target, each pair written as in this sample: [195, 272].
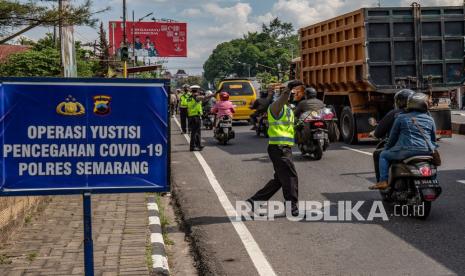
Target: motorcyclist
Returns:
[310, 103]
[223, 108]
[209, 101]
[384, 126]
[413, 133]
[260, 106]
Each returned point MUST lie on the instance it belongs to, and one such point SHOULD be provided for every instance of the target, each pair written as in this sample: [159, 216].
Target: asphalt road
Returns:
[400, 246]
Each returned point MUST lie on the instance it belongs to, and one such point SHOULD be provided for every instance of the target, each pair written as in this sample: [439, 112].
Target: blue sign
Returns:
[64, 136]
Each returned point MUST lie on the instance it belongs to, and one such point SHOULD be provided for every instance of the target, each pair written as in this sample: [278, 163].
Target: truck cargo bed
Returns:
[383, 49]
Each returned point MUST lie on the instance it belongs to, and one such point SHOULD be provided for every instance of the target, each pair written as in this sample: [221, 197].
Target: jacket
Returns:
[223, 108]
[385, 125]
[308, 105]
[261, 105]
[405, 135]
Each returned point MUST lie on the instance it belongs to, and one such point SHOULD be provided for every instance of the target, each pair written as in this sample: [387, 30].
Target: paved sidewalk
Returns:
[51, 243]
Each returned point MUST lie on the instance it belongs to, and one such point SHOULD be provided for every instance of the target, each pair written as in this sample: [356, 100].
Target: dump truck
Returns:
[359, 60]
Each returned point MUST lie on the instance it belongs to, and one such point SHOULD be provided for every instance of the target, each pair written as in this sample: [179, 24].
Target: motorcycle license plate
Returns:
[320, 136]
[426, 183]
[225, 125]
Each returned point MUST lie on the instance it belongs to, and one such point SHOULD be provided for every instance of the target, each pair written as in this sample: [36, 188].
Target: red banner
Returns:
[150, 39]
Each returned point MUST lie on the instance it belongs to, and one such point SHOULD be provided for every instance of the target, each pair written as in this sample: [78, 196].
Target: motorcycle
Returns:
[412, 183]
[207, 120]
[312, 132]
[262, 125]
[224, 132]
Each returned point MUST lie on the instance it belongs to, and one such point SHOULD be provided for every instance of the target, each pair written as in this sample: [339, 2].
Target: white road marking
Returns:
[160, 261]
[359, 151]
[461, 181]
[154, 220]
[156, 238]
[152, 206]
[256, 255]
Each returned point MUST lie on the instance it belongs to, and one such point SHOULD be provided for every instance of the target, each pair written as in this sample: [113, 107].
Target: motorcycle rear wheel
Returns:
[385, 196]
[318, 153]
[426, 210]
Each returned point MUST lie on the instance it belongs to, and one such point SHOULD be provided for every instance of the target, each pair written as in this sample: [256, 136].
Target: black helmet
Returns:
[310, 92]
[418, 102]
[401, 98]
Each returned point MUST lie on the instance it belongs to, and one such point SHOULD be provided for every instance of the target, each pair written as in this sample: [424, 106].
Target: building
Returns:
[8, 50]
[181, 74]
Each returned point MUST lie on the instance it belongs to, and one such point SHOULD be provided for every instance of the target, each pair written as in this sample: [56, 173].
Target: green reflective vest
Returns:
[184, 99]
[281, 131]
[194, 108]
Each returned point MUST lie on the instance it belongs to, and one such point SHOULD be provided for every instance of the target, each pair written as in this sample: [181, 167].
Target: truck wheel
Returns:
[348, 127]
[333, 132]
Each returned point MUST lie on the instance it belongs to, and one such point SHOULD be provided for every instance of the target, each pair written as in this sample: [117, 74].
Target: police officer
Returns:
[281, 140]
[195, 111]
[184, 98]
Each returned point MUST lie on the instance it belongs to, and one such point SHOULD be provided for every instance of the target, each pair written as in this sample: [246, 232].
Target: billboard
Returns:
[69, 136]
[150, 39]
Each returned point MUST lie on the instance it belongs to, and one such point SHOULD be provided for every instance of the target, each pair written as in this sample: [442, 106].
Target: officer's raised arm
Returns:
[283, 99]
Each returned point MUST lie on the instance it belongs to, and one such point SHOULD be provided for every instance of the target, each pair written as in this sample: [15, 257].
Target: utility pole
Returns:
[125, 65]
[60, 29]
[134, 40]
[124, 22]
[68, 50]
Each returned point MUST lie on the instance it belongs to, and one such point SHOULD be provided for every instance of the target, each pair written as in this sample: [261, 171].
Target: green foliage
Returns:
[104, 52]
[191, 80]
[31, 256]
[276, 44]
[266, 78]
[15, 14]
[33, 63]
[5, 260]
[43, 60]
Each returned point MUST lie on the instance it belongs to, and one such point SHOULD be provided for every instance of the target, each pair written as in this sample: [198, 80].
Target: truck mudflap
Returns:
[443, 120]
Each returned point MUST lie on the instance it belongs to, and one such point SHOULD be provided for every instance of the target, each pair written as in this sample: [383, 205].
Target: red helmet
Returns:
[224, 96]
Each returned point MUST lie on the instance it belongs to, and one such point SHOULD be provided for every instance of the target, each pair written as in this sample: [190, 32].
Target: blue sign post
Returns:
[74, 136]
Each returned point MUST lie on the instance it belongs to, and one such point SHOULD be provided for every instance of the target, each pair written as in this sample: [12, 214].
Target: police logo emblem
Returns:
[102, 104]
[70, 107]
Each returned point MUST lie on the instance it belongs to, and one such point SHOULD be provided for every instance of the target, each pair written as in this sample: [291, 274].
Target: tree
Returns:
[33, 63]
[277, 29]
[22, 17]
[277, 43]
[191, 80]
[43, 60]
[104, 52]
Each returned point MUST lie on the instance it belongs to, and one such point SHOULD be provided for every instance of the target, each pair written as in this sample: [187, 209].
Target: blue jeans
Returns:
[387, 156]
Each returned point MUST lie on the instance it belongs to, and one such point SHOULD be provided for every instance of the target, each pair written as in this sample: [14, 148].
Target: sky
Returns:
[211, 22]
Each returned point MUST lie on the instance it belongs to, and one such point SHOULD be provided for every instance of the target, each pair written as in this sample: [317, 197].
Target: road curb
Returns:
[458, 128]
[160, 262]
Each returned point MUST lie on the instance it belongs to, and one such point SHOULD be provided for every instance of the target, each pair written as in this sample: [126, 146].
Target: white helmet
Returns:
[195, 87]
[208, 93]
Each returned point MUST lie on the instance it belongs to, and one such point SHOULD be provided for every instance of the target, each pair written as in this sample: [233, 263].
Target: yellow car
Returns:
[242, 94]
